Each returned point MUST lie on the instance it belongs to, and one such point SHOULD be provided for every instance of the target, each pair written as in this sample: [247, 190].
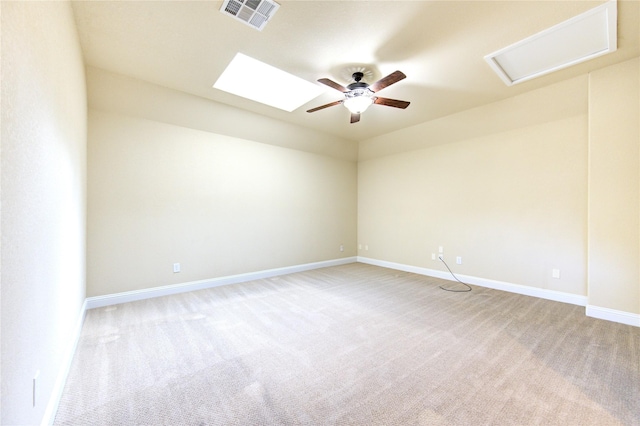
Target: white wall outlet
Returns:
[440, 256]
[359, 246]
[341, 247]
[366, 247]
[459, 260]
[440, 249]
[176, 268]
[555, 273]
[36, 388]
[433, 256]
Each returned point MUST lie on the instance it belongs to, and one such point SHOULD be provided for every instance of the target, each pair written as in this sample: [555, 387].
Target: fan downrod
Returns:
[357, 77]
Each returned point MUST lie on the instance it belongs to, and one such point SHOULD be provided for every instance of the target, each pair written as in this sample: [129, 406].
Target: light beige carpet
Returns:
[353, 344]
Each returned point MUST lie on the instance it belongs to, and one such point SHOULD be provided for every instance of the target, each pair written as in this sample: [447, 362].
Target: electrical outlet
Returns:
[440, 256]
[433, 256]
[459, 260]
[555, 273]
[366, 247]
[341, 247]
[440, 249]
[176, 268]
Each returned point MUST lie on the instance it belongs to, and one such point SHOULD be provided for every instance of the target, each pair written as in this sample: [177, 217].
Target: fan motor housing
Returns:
[357, 85]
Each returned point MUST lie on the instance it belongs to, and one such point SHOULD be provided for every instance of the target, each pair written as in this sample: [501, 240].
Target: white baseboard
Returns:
[130, 296]
[613, 315]
[557, 296]
[621, 317]
[113, 299]
[58, 387]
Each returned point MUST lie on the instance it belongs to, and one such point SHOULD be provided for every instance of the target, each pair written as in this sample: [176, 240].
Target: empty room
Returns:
[320, 212]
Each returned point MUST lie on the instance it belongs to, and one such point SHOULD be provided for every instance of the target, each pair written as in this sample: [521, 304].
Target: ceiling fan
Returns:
[359, 95]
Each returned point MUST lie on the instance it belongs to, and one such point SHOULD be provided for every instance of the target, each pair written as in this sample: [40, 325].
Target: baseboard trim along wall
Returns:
[613, 315]
[131, 296]
[58, 387]
[557, 296]
[574, 299]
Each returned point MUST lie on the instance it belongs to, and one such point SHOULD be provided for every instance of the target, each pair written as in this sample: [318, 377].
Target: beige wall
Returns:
[614, 187]
[219, 205]
[545, 180]
[551, 103]
[43, 202]
[136, 98]
[510, 203]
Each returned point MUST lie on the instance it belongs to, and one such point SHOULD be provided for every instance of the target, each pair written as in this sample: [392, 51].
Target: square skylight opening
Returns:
[260, 82]
[581, 38]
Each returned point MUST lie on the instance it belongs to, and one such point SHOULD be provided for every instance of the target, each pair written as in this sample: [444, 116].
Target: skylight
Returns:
[260, 82]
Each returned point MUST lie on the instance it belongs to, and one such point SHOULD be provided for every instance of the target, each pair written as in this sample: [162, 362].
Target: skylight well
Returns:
[260, 82]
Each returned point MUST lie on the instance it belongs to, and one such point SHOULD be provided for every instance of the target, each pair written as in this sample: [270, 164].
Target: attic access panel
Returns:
[255, 13]
[579, 39]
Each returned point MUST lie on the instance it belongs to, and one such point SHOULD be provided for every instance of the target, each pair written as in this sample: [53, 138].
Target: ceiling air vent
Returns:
[255, 13]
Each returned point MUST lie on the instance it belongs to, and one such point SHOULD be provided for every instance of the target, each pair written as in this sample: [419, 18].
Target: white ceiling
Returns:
[439, 45]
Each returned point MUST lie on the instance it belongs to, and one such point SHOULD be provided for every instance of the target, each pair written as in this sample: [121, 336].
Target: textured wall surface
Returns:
[614, 187]
[43, 202]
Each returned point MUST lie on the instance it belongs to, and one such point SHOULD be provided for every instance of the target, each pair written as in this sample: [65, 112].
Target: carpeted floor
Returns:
[353, 344]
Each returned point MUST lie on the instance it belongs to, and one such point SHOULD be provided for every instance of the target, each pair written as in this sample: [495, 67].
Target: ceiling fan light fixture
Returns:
[359, 95]
[358, 100]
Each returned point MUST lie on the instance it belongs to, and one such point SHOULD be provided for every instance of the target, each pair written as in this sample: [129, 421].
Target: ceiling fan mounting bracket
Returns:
[345, 72]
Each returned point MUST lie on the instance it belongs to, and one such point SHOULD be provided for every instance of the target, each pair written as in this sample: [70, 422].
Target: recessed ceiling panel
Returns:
[586, 36]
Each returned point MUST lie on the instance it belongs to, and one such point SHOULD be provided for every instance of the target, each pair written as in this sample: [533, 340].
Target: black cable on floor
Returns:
[453, 275]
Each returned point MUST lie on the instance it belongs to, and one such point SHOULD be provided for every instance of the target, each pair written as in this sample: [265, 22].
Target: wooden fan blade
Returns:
[355, 117]
[333, 85]
[394, 77]
[325, 106]
[392, 102]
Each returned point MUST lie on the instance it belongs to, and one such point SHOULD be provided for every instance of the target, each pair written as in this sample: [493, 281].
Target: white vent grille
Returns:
[255, 13]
